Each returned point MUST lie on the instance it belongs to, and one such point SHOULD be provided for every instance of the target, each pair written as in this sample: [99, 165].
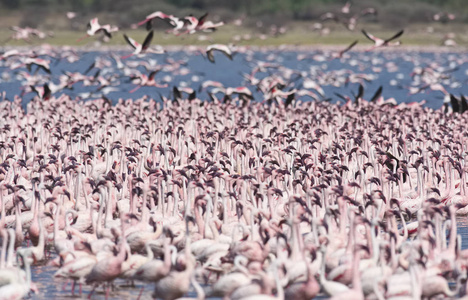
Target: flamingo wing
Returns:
[105, 30]
[369, 36]
[210, 56]
[395, 36]
[222, 48]
[131, 42]
[243, 91]
[359, 94]
[464, 104]
[349, 47]
[152, 74]
[148, 39]
[377, 94]
[45, 68]
[202, 19]
[148, 20]
[455, 103]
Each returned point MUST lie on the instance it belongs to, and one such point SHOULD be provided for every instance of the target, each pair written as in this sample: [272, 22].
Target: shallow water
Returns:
[391, 70]
[49, 288]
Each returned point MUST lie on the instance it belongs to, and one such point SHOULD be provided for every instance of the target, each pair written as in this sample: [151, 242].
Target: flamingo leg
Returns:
[73, 288]
[135, 89]
[141, 292]
[92, 291]
[64, 286]
[126, 56]
[81, 289]
[209, 275]
[107, 291]
[81, 38]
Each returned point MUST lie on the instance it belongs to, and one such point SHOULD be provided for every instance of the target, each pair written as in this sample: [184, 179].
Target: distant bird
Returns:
[218, 47]
[44, 92]
[243, 92]
[39, 62]
[71, 15]
[349, 22]
[177, 93]
[380, 42]
[147, 81]
[94, 28]
[443, 17]
[368, 11]
[329, 16]
[25, 34]
[345, 8]
[339, 54]
[194, 23]
[140, 48]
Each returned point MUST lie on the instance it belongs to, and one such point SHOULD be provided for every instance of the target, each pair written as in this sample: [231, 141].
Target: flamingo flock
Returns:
[251, 201]
[268, 189]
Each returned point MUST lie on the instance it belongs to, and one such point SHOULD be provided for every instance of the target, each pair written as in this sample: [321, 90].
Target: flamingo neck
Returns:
[3, 251]
[453, 231]
[199, 220]
[356, 272]
[19, 225]
[3, 214]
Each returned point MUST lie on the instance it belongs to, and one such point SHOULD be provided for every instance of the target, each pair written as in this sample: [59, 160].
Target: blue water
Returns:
[199, 69]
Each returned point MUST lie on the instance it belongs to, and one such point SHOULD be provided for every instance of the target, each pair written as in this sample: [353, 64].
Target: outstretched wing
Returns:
[395, 36]
[148, 39]
[349, 47]
[377, 94]
[210, 56]
[464, 104]
[152, 74]
[202, 19]
[359, 94]
[455, 103]
[222, 48]
[131, 41]
[369, 36]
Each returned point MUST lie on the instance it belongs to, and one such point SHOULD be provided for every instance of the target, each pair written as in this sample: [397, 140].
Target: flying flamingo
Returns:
[149, 19]
[339, 54]
[93, 27]
[380, 42]
[140, 48]
[218, 47]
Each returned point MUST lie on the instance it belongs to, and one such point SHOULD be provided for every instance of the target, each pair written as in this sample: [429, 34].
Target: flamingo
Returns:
[108, 269]
[380, 42]
[340, 53]
[93, 27]
[140, 48]
[18, 290]
[77, 269]
[218, 47]
[149, 19]
[177, 283]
